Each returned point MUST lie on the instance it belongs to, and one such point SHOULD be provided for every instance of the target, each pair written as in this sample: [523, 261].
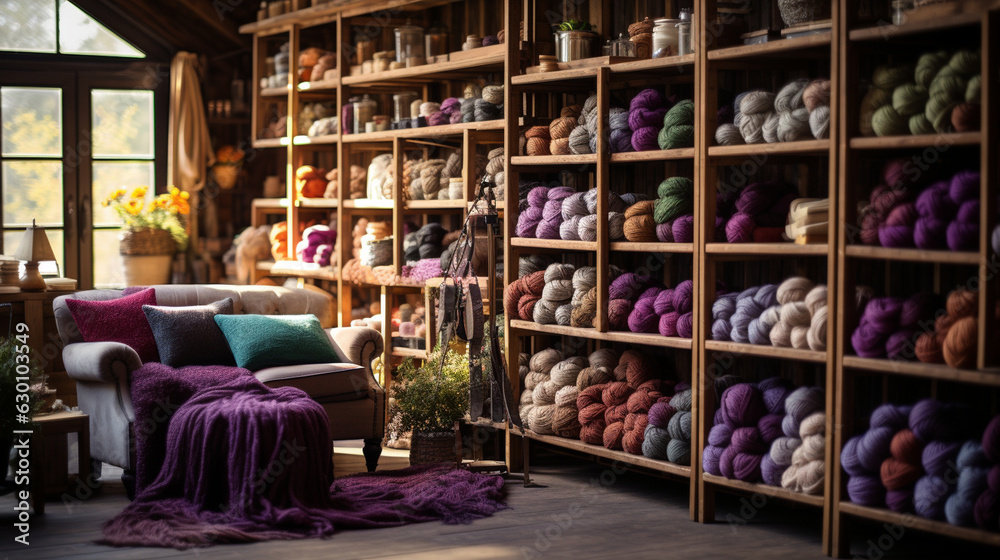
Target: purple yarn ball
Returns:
[664, 302]
[900, 345]
[685, 325]
[711, 458]
[645, 138]
[963, 236]
[769, 427]
[991, 440]
[664, 233]
[935, 202]
[621, 140]
[964, 186]
[873, 448]
[527, 221]
[668, 324]
[866, 490]
[918, 307]
[682, 229]
[898, 237]
[939, 456]
[643, 319]
[930, 495]
[849, 458]
[538, 195]
[930, 233]
[721, 329]
[894, 417]
[770, 471]
[720, 435]
[660, 414]
[774, 399]
[932, 420]
[742, 405]
[683, 294]
[549, 228]
[739, 228]
[899, 501]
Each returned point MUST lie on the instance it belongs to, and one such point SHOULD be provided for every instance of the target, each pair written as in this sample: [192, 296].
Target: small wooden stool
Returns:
[58, 423]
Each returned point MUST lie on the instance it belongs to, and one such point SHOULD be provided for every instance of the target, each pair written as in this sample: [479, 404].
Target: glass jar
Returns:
[684, 43]
[410, 44]
[665, 37]
[623, 47]
[401, 105]
[364, 111]
[436, 41]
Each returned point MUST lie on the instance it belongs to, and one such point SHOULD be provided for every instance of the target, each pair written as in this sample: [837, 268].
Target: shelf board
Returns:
[586, 73]
[651, 247]
[600, 451]
[324, 273]
[792, 47]
[801, 147]
[767, 490]
[911, 255]
[310, 140]
[403, 352]
[369, 204]
[766, 351]
[435, 204]
[647, 339]
[918, 141]
[274, 92]
[776, 249]
[316, 202]
[318, 86]
[423, 132]
[270, 203]
[910, 521]
[653, 155]
[944, 372]
[492, 56]
[884, 32]
[653, 64]
[484, 423]
[566, 244]
[569, 159]
[270, 142]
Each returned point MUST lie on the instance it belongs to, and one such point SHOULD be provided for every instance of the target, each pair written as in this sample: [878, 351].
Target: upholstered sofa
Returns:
[353, 399]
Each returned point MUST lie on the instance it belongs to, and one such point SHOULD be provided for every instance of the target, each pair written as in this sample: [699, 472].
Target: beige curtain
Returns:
[189, 153]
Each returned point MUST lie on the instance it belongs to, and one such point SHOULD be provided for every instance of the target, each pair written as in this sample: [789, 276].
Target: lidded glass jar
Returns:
[409, 43]
[436, 41]
[665, 37]
[623, 47]
[401, 105]
[364, 111]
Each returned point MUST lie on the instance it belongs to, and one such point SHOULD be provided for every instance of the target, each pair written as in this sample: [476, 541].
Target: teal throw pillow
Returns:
[263, 341]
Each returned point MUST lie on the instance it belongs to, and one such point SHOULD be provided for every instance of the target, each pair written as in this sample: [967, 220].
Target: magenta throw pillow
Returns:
[118, 320]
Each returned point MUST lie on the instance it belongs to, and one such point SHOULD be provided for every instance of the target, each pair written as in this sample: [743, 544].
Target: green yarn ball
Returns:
[676, 198]
[928, 66]
[938, 112]
[678, 136]
[887, 122]
[676, 187]
[965, 62]
[920, 125]
[948, 83]
[681, 114]
[909, 99]
[891, 77]
[972, 91]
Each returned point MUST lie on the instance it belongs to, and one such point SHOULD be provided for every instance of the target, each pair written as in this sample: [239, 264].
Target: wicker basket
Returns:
[146, 241]
[797, 12]
[437, 447]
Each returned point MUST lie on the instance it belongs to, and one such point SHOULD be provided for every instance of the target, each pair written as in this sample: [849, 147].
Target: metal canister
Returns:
[574, 44]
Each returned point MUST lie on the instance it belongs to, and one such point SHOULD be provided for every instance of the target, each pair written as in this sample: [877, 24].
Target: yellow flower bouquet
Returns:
[164, 212]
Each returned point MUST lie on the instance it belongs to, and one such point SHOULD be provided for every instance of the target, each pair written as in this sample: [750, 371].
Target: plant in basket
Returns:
[227, 167]
[430, 398]
[163, 213]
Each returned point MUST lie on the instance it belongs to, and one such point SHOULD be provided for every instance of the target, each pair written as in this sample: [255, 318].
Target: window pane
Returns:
[111, 175]
[107, 263]
[11, 239]
[81, 34]
[32, 190]
[32, 121]
[122, 123]
[28, 25]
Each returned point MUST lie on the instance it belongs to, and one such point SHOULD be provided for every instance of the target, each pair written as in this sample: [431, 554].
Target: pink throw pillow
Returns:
[118, 320]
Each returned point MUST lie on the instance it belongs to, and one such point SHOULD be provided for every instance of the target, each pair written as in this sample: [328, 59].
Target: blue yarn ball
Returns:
[960, 507]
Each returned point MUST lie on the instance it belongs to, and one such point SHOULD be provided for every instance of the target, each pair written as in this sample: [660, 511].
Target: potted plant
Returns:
[430, 399]
[151, 233]
[12, 403]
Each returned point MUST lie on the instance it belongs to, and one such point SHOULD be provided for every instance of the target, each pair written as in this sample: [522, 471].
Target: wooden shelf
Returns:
[653, 64]
[911, 255]
[801, 147]
[488, 58]
[270, 203]
[435, 204]
[319, 86]
[310, 140]
[276, 269]
[611, 336]
[653, 155]
[562, 160]
[651, 247]
[316, 202]
[565, 244]
[270, 142]
[599, 451]
[918, 141]
[403, 352]
[911, 521]
[885, 32]
[367, 204]
[772, 249]
[766, 351]
[767, 490]
[423, 132]
[779, 47]
[274, 92]
[572, 74]
[944, 372]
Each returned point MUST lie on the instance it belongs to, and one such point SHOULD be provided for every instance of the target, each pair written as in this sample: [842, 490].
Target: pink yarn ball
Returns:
[668, 324]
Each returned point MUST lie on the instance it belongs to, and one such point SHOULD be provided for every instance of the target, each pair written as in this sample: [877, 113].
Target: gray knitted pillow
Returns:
[189, 336]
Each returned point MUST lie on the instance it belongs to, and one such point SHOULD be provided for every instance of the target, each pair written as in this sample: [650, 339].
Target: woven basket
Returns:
[146, 241]
[797, 12]
[437, 447]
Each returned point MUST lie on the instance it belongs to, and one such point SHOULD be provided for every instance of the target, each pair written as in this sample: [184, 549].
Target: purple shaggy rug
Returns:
[221, 458]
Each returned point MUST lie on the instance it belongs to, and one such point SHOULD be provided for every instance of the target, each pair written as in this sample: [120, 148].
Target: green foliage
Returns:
[575, 25]
[431, 399]
[8, 388]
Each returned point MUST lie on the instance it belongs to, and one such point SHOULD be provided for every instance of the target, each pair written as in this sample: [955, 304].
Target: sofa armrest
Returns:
[96, 361]
[357, 345]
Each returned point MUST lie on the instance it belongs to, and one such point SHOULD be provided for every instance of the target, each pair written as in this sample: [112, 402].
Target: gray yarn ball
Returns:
[819, 122]
[728, 135]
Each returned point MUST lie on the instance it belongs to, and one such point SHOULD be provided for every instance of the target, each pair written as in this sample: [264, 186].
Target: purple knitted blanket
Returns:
[221, 458]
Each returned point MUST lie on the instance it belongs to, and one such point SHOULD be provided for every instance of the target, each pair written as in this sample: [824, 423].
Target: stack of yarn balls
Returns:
[954, 339]
[559, 131]
[562, 213]
[615, 414]
[940, 94]
[889, 325]
[430, 179]
[669, 218]
[551, 379]
[643, 123]
[758, 213]
[790, 315]
[769, 432]
[928, 459]
[583, 138]
[800, 111]
[422, 251]
[317, 245]
[554, 293]
[640, 304]
[651, 122]
[668, 428]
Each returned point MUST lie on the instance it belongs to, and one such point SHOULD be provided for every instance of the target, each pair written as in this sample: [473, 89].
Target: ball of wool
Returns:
[683, 296]
[579, 140]
[711, 458]
[769, 427]
[965, 117]
[930, 495]
[918, 124]
[655, 442]
[679, 426]
[819, 122]
[897, 474]
[752, 127]
[660, 414]
[682, 401]
[793, 125]
[681, 114]
[931, 419]
[965, 62]
[959, 348]
[928, 66]
[728, 135]
[742, 405]
[759, 330]
[739, 228]
[720, 435]
[909, 99]
[938, 111]
[991, 440]
[962, 303]
[680, 136]
[790, 96]
[815, 94]
[888, 122]
[906, 447]
[794, 289]
[866, 490]
[801, 403]
[849, 458]
[875, 98]
[959, 508]
[681, 230]
[938, 456]
[889, 77]
[679, 452]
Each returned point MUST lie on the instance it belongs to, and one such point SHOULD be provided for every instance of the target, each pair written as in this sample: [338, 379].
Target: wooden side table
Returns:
[59, 423]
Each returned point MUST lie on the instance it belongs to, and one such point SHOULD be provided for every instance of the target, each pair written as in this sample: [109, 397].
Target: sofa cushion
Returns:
[324, 382]
[189, 336]
[117, 320]
[261, 341]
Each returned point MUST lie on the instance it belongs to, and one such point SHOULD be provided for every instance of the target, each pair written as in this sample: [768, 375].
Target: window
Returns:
[31, 26]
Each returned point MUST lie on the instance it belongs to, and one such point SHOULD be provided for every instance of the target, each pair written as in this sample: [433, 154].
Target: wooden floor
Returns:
[571, 515]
